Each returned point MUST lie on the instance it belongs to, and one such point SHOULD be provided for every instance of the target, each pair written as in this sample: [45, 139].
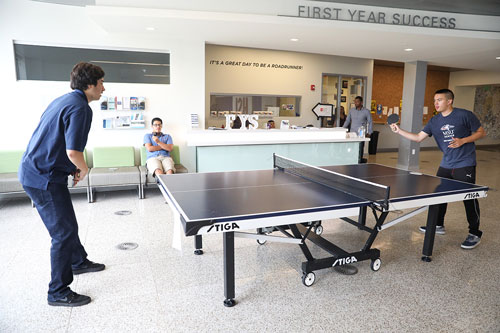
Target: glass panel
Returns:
[348, 89]
[329, 94]
[47, 63]
[265, 106]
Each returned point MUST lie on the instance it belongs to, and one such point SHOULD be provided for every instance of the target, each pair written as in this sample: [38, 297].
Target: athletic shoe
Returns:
[87, 267]
[72, 300]
[439, 229]
[471, 242]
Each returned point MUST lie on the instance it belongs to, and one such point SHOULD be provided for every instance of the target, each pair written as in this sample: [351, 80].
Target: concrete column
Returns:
[412, 112]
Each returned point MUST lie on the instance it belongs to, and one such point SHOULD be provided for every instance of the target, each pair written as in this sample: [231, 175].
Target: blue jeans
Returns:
[56, 210]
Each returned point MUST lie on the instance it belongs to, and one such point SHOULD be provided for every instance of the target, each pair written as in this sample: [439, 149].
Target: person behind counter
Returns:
[236, 123]
[271, 124]
[359, 116]
[342, 118]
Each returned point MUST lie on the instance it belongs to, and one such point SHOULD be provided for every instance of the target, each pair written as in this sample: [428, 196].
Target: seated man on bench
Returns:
[158, 147]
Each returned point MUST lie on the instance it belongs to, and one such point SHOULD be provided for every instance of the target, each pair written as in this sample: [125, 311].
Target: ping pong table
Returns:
[293, 198]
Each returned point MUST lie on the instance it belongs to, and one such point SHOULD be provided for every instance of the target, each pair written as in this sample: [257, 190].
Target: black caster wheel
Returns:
[198, 252]
[318, 230]
[229, 302]
[308, 279]
[375, 265]
[261, 241]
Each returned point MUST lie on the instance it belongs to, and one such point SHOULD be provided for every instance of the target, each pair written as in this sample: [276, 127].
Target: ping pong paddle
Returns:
[392, 119]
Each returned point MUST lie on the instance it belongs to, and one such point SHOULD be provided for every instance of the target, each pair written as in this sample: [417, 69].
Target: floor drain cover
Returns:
[127, 246]
[123, 212]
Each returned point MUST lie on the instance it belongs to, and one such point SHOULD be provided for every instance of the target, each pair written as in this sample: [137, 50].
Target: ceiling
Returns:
[455, 49]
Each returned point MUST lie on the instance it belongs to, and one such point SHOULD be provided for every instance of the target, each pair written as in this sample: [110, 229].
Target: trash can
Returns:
[372, 146]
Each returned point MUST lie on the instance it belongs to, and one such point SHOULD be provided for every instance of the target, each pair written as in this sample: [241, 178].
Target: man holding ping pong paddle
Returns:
[55, 151]
[455, 131]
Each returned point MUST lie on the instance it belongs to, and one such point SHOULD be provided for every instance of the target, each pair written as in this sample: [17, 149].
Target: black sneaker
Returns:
[72, 300]
[439, 230]
[87, 267]
[471, 242]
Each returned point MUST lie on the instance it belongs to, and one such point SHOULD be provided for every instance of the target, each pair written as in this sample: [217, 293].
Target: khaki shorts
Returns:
[164, 163]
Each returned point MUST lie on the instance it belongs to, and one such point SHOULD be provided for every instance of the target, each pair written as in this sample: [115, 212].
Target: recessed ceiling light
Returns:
[408, 50]
[294, 39]
[150, 28]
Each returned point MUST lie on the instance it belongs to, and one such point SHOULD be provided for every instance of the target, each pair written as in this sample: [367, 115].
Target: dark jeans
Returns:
[361, 150]
[468, 175]
[56, 210]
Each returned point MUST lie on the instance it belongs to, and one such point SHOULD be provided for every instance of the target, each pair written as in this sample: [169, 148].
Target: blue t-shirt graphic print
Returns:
[459, 123]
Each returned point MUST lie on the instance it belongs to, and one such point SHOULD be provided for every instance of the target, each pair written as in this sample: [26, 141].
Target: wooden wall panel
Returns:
[388, 87]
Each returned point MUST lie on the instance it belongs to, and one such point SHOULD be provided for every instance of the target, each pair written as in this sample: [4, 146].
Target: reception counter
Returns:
[233, 150]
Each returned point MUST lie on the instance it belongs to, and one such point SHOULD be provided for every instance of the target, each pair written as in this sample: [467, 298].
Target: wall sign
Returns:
[377, 16]
[251, 64]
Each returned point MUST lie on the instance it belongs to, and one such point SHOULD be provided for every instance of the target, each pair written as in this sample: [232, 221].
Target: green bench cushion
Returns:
[107, 157]
[10, 160]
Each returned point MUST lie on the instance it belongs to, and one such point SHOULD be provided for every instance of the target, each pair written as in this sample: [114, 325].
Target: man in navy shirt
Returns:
[455, 131]
[55, 151]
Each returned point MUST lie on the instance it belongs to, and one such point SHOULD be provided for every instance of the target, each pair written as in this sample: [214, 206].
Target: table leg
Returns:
[430, 232]
[362, 215]
[229, 269]
[198, 244]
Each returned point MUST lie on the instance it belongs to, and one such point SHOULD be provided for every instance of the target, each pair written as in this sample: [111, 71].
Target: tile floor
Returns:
[156, 288]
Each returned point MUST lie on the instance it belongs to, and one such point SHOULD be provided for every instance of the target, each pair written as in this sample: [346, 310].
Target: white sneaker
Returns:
[439, 229]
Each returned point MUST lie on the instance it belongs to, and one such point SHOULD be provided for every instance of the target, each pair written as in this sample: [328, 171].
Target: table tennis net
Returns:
[375, 193]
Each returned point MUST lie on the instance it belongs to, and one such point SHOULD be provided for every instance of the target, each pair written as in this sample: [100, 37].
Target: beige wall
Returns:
[272, 81]
[464, 84]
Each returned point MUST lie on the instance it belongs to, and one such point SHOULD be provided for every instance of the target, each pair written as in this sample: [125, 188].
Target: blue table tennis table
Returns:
[293, 198]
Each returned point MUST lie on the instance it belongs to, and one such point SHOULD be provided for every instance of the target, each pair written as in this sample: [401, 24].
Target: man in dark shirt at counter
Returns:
[359, 116]
[55, 151]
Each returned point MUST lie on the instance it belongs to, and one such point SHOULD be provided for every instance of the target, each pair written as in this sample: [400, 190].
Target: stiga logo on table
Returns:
[223, 227]
[344, 261]
[472, 195]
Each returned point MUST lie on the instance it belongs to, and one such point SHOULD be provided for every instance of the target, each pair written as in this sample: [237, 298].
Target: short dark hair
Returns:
[84, 74]
[156, 119]
[270, 121]
[360, 98]
[237, 122]
[448, 93]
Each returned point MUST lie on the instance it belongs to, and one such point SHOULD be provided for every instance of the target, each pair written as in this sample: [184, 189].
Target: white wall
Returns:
[24, 101]
[272, 81]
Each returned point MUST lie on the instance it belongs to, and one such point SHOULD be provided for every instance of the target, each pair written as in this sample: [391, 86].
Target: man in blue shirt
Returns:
[455, 131]
[158, 148]
[359, 116]
[55, 151]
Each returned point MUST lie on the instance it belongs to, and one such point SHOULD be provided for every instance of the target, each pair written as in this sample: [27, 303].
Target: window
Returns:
[49, 63]
[263, 105]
